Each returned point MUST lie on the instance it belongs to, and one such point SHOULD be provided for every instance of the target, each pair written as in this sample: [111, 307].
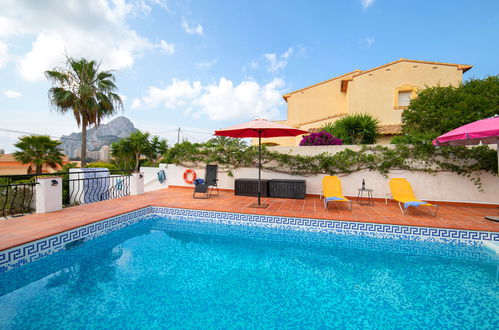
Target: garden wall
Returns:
[151, 180]
[443, 186]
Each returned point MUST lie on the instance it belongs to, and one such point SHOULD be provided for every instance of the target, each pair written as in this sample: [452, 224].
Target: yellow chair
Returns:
[403, 194]
[332, 192]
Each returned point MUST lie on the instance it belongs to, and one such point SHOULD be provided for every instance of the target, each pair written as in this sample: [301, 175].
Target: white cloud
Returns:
[96, 29]
[12, 94]
[369, 42]
[207, 64]
[4, 53]
[277, 63]
[221, 101]
[366, 3]
[246, 100]
[166, 48]
[173, 96]
[191, 29]
[163, 4]
[136, 103]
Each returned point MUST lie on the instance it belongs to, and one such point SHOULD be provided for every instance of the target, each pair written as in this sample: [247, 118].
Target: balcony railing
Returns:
[79, 186]
[16, 198]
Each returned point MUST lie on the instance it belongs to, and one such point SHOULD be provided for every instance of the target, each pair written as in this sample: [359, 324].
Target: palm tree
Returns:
[227, 142]
[122, 153]
[38, 150]
[157, 149]
[89, 93]
[140, 145]
[359, 128]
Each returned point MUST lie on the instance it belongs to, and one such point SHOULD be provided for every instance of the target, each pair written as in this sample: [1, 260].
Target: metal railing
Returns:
[17, 192]
[96, 186]
[16, 198]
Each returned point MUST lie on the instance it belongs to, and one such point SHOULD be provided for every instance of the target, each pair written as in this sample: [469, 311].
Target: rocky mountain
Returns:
[97, 137]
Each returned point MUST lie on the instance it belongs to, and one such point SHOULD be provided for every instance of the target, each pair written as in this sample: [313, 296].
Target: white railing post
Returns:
[48, 194]
[137, 183]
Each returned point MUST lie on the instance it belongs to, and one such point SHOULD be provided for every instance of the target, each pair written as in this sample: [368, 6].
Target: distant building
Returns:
[93, 155]
[104, 153]
[2, 152]
[384, 92]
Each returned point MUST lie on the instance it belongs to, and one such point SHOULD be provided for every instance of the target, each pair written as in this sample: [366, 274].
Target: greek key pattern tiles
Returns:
[403, 246]
[442, 235]
[20, 255]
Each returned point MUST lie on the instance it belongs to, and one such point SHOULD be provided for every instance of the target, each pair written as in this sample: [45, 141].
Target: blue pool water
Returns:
[161, 273]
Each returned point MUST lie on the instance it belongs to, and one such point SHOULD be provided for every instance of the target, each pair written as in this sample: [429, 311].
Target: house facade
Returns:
[384, 92]
[10, 166]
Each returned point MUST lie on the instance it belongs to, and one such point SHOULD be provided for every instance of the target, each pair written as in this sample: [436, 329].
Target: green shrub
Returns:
[443, 108]
[68, 166]
[109, 166]
[354, 129]
[416, 138]
[417, 157]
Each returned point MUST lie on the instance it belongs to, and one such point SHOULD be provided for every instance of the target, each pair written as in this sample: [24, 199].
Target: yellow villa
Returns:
[383, 92]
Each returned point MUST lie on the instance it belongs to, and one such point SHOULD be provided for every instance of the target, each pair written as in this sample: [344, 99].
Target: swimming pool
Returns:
[170, 273]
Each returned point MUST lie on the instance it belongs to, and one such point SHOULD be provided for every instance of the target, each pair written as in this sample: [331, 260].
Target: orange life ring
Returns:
[186, 176]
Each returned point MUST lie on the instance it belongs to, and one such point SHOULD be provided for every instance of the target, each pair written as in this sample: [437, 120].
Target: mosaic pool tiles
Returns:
[311, 238]
[20, 255]
[428, 234]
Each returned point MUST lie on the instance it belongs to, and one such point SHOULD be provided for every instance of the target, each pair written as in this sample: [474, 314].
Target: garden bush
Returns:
[109, 166]
[320, 139]
[354, 129]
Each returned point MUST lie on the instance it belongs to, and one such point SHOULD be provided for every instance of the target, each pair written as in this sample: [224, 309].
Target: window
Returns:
[404, 99]
[403, 96]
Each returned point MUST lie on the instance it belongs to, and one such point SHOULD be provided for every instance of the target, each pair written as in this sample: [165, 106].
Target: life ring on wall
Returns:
[190, 173]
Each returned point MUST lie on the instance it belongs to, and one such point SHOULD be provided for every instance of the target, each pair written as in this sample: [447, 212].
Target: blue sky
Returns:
[203, 65]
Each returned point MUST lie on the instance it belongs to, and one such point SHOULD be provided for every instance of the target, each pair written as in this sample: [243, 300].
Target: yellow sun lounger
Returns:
[403, 194]
[332, 192]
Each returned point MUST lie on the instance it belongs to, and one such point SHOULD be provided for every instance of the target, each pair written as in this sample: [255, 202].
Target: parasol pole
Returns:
[259, 163]
[496, 217]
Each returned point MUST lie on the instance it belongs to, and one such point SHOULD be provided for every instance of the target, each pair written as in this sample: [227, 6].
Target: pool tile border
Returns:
[32, 251]
[340, 227]
[29, 252]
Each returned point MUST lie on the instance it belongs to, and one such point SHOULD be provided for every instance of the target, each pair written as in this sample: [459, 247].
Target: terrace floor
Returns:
[17, 231]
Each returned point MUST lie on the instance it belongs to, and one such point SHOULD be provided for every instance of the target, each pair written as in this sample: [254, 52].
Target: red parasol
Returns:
[259, 128]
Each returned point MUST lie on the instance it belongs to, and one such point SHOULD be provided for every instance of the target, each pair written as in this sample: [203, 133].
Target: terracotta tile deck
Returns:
[28, 228]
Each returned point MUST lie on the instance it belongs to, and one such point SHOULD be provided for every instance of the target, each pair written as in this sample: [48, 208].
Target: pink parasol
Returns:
[485, 131]
[259, 128]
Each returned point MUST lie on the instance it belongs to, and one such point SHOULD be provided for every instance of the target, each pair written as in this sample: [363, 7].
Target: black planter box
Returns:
[249, 187]
[287, 188]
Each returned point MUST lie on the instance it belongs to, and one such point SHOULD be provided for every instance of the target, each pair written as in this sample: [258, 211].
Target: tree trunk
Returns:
[137, 162]
[83, 152]
[38, 169]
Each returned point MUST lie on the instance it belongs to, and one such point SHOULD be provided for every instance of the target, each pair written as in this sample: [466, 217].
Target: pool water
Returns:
[161, 273]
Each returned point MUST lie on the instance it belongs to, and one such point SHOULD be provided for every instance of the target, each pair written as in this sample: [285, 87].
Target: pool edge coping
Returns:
[200, 209]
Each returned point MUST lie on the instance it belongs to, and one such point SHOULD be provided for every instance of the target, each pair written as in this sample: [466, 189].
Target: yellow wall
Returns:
[317, 102]
[374, 92]
[282, 141]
